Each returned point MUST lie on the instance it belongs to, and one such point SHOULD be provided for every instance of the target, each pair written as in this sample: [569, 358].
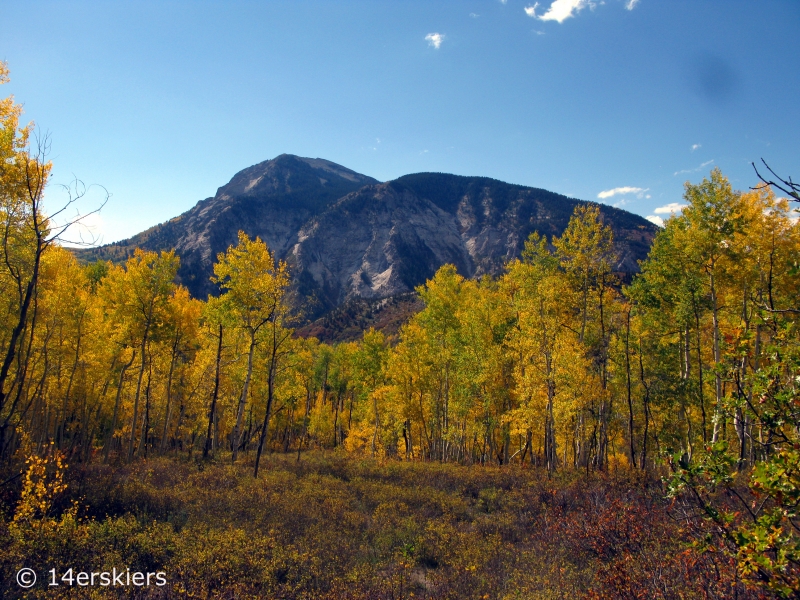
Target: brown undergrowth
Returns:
[332, 526]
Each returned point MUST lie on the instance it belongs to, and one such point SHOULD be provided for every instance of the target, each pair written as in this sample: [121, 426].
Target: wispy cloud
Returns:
[695, 170]
[696, 147]
[631, 4]
[671, 208]
[474, 15]
[656, 220]
[621, 191]
[560, 10]
[435, 39]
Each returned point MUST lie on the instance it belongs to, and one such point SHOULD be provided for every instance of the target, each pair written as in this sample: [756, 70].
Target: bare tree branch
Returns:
[76, 191]
[786, 186]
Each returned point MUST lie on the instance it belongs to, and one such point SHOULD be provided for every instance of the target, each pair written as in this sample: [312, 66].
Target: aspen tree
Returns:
[184, 316]
[24, 174]
[253, 286]
[440, 323]
[276, 351]
[305, 361]
[137, 297]
[26, 233]
[539, 341]
[585, 252]
[712, 219]
[214, 330]
[369, 361]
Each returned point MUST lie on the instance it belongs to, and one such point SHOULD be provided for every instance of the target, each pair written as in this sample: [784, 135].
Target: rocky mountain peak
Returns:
[307, 180]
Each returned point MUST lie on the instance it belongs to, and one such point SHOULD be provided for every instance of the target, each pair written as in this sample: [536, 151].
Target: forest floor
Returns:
[335, 526]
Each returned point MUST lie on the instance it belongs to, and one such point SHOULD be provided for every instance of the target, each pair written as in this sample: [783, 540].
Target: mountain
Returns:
[271, 200]
[349, 238]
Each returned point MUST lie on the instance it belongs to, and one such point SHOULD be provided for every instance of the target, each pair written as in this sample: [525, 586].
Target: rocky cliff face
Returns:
[385, 239]
[347, 236]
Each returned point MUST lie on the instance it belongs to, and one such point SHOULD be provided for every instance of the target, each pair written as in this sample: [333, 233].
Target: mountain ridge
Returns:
[348, 236]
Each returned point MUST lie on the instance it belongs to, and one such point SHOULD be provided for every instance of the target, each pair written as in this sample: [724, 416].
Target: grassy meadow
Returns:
[332, 525]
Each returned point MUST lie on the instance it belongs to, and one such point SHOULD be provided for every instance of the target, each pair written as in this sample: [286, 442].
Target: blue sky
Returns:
[162, 102]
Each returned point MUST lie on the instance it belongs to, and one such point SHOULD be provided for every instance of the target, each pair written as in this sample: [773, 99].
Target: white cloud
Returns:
[631, 4]
[655, 220]
[531, 10]
[622, 191]
[696, 147]
[695, 170]
[667, 209]
[560, 10]
[670, 208]
[474, 15]
[435, 39]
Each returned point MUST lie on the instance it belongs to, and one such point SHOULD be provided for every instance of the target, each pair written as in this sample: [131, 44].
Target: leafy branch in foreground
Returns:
[754, 514]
